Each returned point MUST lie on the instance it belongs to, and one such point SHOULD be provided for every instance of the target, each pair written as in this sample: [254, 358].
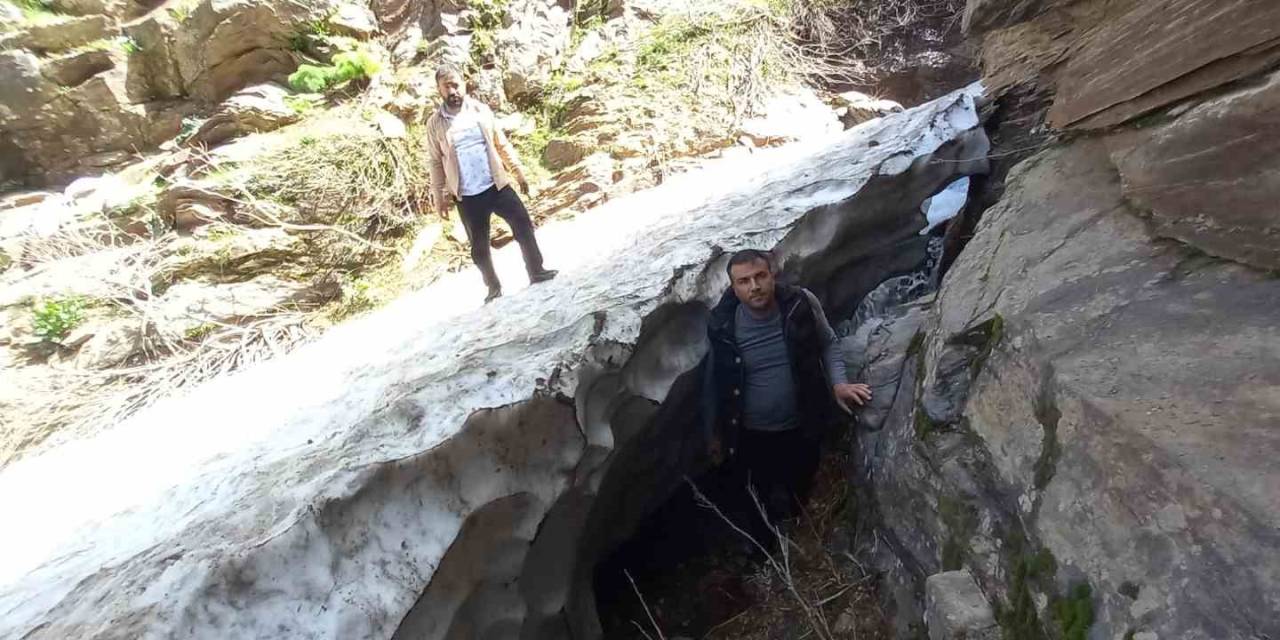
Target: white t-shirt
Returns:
[474, 174]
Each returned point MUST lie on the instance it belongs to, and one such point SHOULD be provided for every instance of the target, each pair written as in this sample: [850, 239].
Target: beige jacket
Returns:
[444, 159]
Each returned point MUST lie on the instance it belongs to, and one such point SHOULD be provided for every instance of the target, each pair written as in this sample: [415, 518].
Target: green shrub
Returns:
[301, 105]
[358, 64]
[190, 125]
[55, 318]
[309, 79]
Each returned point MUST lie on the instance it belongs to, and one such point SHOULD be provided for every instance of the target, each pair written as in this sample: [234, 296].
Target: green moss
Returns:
[916, 344]
[1073, 613]
[923, 425]
[984, 337]
[1018, 619]
[1048, 415]
[1030, 569]
[961, 520]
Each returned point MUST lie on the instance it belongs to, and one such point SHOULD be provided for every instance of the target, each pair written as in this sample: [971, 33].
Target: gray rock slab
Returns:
[956, 609]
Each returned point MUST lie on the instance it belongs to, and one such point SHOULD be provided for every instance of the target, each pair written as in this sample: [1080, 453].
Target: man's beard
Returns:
[453, 101]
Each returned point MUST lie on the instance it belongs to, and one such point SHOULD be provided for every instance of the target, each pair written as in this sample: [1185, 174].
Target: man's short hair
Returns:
[446, 69]
[748, 256]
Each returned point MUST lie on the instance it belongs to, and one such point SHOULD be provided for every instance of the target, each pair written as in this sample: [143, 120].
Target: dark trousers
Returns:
[780, 466]
[475, 211]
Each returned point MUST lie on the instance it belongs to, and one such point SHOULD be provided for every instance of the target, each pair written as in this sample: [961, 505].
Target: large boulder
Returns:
[74, 68]
[354, 20]
[531, 45]
[76, 113]
[956, 609]
[115, 8]
[1085, 52]
[228, 44]
[251, 110]
[1205, 177]
[450, 470]
[60, 35]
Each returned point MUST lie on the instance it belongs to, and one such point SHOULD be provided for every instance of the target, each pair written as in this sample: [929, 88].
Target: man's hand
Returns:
[847, 394]
[526, 189]
[442, 207]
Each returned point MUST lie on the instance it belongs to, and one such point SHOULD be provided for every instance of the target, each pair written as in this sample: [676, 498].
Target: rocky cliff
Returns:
[1085, 415]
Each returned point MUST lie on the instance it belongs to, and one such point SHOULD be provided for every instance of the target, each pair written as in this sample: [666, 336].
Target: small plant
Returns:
[359, 64]
[190, 125]
[129, 46]
[54, 318]
[221, 232]
[299, 41]
[301, 105]
[200, 331]
[310, 78]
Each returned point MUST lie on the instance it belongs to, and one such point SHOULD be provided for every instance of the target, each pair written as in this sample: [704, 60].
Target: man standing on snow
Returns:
[773, 375]
[469, 160]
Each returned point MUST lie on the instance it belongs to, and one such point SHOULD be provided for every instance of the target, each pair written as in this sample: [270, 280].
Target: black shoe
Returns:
[494, 292]
[542, 276]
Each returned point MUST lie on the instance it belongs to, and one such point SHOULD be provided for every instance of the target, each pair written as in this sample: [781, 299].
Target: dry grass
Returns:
[808, 580]
[351, 194]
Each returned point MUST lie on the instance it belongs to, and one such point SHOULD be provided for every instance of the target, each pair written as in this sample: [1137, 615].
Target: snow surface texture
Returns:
[440, 469]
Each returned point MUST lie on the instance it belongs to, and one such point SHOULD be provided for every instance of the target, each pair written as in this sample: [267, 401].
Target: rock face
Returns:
[1087, 415]
[459, 478]
[59, 36]
[118, 90]
[956, 609]
[254, 109]
[537, 35]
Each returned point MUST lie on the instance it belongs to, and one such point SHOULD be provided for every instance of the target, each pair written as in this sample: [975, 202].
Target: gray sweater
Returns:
[769, 398]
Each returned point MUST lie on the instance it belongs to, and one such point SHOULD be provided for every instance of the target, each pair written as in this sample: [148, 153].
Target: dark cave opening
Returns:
[687, 572]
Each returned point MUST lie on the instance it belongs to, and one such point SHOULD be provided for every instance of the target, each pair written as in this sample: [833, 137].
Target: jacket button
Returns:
[736, 392]
[734, 421]
[737, 360]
